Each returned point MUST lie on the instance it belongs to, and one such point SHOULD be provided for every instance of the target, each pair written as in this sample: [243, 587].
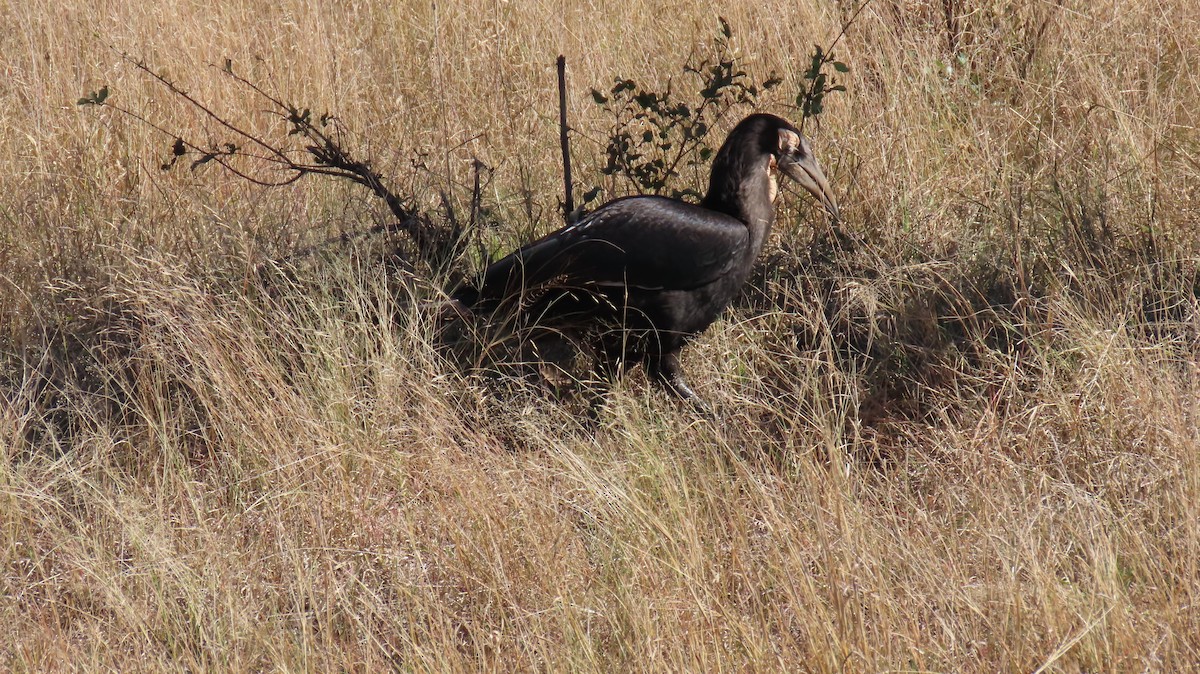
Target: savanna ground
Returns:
[960, 438]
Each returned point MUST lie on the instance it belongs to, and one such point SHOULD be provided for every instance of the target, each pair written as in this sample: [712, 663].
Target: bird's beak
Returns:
[807, 172]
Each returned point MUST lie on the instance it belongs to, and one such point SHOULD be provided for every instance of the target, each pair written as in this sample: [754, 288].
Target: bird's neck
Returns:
[749, 200]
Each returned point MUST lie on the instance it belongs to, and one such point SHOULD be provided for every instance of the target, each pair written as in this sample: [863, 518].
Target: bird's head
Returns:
[792, 156]
[758, 149]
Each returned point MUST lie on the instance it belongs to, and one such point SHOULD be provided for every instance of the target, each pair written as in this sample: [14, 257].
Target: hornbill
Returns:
[646, 274]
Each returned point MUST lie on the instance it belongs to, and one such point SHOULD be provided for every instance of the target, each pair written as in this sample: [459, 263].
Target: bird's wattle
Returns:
[773, 176]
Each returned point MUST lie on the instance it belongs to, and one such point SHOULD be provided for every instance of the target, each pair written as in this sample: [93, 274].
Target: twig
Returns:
[828, 53]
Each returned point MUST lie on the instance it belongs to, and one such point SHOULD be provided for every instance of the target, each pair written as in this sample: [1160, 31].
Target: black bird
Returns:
[646, 274]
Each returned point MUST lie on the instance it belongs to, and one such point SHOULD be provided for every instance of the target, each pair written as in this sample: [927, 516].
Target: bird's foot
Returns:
[667, 373]
[681, 390]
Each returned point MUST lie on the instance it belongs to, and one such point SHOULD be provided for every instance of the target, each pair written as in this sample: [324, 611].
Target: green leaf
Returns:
[600, 98]
[814, 68]
[647, 99]
[623, 85]
[204, 159]
[94, 98]
[725, 29]
[841, 67]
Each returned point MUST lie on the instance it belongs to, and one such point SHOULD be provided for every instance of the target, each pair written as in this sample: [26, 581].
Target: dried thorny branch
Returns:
[324, 153]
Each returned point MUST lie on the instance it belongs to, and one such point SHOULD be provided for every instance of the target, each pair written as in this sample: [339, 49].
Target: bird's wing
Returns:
[639, 242]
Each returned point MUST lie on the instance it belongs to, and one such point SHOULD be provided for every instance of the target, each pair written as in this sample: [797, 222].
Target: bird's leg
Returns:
[665, 370]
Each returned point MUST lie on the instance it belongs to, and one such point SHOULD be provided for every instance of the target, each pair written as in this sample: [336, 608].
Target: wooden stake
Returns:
[569, 200]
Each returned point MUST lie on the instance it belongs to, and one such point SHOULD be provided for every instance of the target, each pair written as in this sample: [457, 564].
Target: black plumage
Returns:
[644, 274]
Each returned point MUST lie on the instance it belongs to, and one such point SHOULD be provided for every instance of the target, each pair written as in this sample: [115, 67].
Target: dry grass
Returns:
[967, 442]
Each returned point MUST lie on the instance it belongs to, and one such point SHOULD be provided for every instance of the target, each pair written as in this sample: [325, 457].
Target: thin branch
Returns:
[140, 65]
